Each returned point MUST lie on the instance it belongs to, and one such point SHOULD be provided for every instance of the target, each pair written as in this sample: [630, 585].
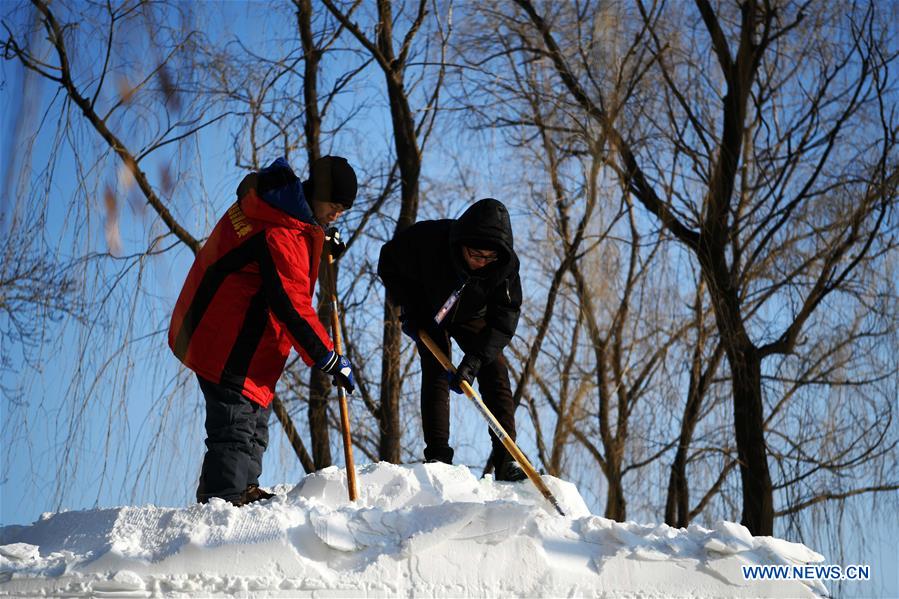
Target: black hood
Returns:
[484, 225]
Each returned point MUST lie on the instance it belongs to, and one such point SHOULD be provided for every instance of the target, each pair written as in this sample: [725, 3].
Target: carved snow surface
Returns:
[416, 530]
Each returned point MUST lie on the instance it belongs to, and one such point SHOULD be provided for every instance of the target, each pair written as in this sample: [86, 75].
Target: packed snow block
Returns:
[729, 538]
[416, 530]
[20, 552]
[333, 528]
[123, 583]
[779, 551]
[389, 486]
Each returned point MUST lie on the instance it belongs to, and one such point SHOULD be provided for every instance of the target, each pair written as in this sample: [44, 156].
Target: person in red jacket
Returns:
[246, 302]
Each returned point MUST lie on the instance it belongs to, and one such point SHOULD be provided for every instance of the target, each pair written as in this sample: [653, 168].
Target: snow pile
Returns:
[416, 530]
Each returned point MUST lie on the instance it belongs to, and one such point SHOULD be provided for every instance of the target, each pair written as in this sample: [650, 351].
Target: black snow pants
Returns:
[493, 385]
[236, 438]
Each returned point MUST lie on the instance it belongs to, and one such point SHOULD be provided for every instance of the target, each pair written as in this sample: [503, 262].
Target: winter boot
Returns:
[439, 454]
[508, 470]
[254, 493]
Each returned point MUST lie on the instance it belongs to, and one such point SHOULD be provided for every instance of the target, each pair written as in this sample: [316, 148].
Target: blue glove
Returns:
[467, 370]
[340, 368]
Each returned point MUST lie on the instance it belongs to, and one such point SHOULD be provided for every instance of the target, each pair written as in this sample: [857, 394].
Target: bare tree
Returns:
[759, 177]
[607, 343]
[409, 137]
[105, 102]
[35, 284]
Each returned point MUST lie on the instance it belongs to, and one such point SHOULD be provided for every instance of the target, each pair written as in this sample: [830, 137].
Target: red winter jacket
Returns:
[248, 299]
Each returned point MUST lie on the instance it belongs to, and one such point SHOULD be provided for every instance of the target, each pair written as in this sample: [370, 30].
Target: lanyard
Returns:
[448, 305]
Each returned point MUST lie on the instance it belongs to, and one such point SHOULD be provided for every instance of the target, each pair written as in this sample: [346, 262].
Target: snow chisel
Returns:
[494, 424]
[341, 392]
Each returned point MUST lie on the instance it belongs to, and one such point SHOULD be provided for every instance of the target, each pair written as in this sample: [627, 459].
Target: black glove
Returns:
[340, 368]
[409, 326]
[334, 244]
[467, 370]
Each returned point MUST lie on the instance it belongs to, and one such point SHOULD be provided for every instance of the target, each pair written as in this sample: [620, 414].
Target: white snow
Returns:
[416, 530]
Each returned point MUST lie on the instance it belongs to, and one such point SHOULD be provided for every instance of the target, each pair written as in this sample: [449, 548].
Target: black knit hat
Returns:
[333, 180]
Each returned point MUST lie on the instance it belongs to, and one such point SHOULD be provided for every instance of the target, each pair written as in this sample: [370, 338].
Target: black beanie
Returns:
[333, 180]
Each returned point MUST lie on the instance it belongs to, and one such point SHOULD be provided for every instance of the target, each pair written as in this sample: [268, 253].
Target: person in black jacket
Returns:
[459, 279]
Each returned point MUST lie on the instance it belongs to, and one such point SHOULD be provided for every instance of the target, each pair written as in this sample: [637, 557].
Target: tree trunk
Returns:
[295, 441]
[319, 394]
[319, 382]
[749, 426]
[677, 504]
[410, 166]
[409, 159]
[389, 442]
[616, 508]
[746, 383]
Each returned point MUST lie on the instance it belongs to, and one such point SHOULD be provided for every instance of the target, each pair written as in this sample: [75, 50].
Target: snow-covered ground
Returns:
[416, 530]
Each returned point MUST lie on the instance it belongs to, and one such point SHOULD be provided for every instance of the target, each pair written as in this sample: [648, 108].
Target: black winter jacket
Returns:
[423, 265]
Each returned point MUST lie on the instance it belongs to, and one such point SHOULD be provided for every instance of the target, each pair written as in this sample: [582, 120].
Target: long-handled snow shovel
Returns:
[494, 424]
[341, 392]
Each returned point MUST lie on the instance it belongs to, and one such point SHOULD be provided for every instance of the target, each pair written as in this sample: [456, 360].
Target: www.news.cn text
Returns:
[806, 572]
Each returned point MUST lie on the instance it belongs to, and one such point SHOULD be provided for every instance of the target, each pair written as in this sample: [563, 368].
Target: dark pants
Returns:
[236, 438]
[493, 385]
